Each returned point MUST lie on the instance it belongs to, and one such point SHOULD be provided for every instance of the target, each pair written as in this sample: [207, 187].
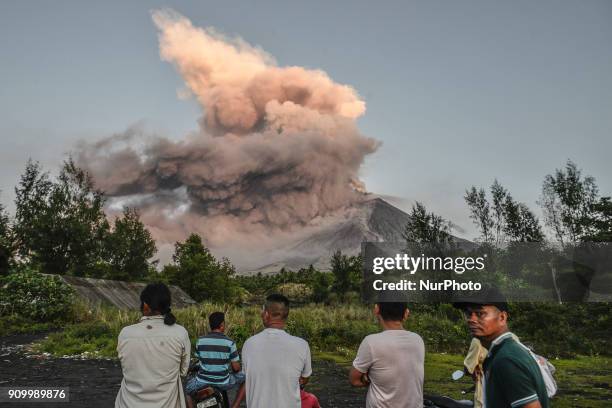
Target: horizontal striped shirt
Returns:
[216, 351]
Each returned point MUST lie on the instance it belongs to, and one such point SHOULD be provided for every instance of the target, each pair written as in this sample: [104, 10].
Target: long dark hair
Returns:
[157, 296]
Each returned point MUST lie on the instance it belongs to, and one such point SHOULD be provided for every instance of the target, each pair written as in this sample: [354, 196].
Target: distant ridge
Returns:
[372, 220]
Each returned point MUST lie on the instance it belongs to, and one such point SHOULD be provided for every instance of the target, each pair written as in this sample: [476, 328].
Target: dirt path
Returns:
[94, 383]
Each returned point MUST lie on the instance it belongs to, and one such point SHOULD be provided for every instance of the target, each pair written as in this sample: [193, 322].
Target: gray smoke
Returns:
[277, 148]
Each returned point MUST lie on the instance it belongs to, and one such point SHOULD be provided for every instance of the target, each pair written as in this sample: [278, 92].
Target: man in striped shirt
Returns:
[219, 362]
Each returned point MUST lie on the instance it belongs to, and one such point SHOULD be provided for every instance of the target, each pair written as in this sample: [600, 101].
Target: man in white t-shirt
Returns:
[274, 362]
[391, 362]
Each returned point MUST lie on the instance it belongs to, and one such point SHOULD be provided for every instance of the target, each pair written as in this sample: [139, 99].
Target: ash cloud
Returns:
[277, 147]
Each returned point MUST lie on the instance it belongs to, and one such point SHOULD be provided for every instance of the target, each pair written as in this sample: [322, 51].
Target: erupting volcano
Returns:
[273, 169]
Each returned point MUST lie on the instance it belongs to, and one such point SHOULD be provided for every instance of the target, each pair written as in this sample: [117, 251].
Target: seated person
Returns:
[154, 354]
[308, 400]
[219, 362]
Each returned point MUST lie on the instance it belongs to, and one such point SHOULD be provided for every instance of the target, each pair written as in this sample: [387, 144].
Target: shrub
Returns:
[92, 339]
[297, 292]
[30, 294]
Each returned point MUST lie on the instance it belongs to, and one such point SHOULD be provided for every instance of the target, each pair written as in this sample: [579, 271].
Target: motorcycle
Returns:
[437, 401]
[207, 397]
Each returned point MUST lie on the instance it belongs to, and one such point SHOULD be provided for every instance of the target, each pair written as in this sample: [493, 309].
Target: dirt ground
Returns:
[94, 383]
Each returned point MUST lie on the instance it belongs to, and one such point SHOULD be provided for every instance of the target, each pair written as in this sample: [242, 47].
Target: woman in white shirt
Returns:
[154, 354]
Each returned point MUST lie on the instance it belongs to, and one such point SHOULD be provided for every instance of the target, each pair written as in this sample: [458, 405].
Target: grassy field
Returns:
[334, 333]
[584, 382]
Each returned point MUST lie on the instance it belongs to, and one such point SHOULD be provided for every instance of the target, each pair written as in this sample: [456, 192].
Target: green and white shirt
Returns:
[512, 376]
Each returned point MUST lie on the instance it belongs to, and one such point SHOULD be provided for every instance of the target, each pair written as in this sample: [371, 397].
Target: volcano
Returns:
[372, 220]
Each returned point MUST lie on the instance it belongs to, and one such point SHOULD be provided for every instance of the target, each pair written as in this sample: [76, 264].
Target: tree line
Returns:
[576, 217]
[573, 210]
[60, 227]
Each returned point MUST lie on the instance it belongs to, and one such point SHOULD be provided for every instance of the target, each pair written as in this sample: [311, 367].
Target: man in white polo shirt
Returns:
[391, 362]
[274, 362]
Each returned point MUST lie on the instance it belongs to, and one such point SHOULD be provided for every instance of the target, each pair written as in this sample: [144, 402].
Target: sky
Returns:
[458, 93]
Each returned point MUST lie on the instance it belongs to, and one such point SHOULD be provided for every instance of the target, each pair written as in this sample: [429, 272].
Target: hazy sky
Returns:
[459, 93]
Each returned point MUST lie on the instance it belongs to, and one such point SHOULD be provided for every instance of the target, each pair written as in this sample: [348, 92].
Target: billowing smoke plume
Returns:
[277, 146]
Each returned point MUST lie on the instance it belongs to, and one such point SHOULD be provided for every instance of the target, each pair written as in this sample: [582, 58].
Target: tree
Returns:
[6, 244]
[500, 196]
[427, 228]
[520, 224]
[60, 224]
[321, 285]
[197, 272]
[346, 271]
[600, 221]
[129, 248]
[480, 213]
[504, 220]
[567, 201]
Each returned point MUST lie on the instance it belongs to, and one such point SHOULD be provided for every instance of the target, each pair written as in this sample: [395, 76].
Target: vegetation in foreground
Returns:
[335, 331]
[583, 382]
[60, 228]
[339, 329]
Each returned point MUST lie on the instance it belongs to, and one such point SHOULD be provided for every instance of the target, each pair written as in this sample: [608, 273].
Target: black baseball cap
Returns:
[488, 296]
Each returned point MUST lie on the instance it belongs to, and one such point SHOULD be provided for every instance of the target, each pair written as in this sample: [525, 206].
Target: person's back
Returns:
[219, 362]
[154, 355]
[394, 362]
[391, 363]
[273, 363]
[215, 351]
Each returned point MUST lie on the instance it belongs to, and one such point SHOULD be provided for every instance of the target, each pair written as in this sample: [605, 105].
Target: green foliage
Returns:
[600, 221]
[319, 283]
[297, 292]
[6, 244]
[335, 333]
[15, 324]
[552, 328]
[583, 382]
[199, 273]
[129, 246]
[31, 295]
[60, 224]
[93, 340]
[427, 228]
[549, 328]
[480, 212]
[567, 201]
[347, 273]
[321, 286]
[521, 225]
[504, 219]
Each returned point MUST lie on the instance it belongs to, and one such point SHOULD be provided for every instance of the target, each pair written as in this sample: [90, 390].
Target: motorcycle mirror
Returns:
[457, 375]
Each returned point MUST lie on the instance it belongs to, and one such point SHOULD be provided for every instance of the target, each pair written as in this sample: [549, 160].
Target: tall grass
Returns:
[337, 329]
[340, 328]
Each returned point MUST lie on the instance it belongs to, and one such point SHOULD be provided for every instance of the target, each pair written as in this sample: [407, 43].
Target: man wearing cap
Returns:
[512, 378]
